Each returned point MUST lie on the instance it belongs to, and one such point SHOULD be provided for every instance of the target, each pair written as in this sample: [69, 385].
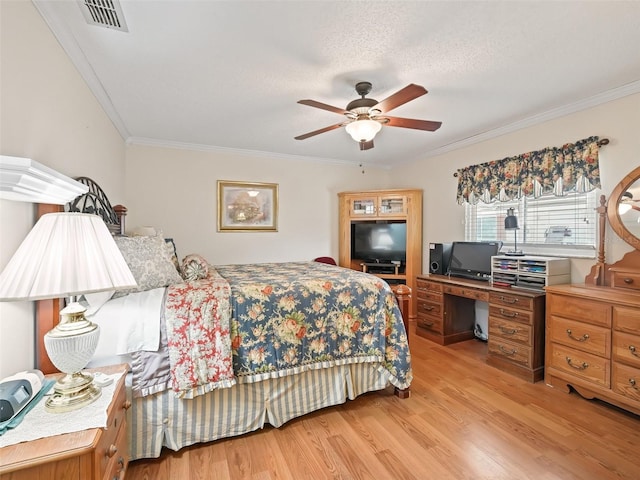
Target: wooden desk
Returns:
[446, 314]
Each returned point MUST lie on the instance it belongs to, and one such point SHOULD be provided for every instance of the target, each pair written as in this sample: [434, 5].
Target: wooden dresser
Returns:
[593, 342]
[95, 454]
[446, 314]
[593, 329]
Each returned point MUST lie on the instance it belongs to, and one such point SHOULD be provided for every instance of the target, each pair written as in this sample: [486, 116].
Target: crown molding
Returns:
[584, 104]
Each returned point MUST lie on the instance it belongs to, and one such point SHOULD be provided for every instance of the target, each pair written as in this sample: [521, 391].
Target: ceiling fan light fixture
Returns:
[363, 130]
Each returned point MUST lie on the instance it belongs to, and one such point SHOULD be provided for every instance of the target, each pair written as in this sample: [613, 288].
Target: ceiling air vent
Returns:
[104, 13]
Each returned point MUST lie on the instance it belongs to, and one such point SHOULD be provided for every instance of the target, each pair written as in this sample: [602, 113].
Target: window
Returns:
[548, 225]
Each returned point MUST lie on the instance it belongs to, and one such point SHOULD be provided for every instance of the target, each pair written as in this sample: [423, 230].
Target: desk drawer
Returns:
[511, 300]
[426, 286]
[429, 296]
[626, 381]
[428, 308]
[626, 348]
[583, 365]
[598, 313]
[511, 314]
[508, 330]
[511, 351]
[582, 336]
[429, 322]
[466, 292]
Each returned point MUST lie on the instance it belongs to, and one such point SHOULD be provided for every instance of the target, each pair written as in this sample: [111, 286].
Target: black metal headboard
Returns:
[96, 202]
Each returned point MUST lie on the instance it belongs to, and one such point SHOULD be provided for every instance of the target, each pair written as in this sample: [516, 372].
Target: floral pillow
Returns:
[149, 261]
[194, 267]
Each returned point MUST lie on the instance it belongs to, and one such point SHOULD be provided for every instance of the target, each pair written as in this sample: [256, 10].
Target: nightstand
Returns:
[94, 454]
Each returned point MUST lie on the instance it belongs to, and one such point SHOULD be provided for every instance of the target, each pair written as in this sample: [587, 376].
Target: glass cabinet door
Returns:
[364, 206]
[392, 205]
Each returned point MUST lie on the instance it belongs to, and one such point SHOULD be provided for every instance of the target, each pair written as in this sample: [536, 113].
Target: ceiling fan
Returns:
[365, 116]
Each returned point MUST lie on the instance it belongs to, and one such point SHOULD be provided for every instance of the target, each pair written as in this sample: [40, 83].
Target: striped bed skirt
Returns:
[163, 420]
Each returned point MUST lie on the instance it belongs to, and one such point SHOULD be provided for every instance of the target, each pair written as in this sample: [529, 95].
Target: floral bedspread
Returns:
[197, 316]
[290, 317]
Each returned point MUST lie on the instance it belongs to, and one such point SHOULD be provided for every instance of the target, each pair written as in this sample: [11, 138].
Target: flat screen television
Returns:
[380, 242]
[472, 259]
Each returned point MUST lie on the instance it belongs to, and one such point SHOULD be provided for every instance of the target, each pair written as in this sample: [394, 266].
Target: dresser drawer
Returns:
[107, 447]
[511, 314]
[511, 351]
[579, 364]
[626, 381]
[626, 348]
[429, 322]
[466, 292]
[511, 300]
[428, 308]
[582, 336]
[598, 313]
[626, 319]
[117, 463]
[425, 286]
[511, 331]
[628, 280]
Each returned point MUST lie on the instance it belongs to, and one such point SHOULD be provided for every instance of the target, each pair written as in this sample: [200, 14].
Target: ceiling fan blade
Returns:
[366, 145]
[317, 132]
[323, 106]
[412, 123]
[401, 97]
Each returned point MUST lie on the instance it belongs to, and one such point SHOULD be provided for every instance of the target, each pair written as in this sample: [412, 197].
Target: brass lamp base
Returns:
[72, 392]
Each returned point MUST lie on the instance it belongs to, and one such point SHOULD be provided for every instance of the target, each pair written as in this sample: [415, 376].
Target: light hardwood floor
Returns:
[464, 420]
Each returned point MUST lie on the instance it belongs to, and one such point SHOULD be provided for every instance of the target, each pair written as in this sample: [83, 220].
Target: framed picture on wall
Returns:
[247, 206]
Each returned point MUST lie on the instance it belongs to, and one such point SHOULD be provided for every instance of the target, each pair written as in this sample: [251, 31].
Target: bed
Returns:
[226, 349]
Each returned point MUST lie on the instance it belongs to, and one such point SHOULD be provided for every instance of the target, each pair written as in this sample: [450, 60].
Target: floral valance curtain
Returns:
[570, 168]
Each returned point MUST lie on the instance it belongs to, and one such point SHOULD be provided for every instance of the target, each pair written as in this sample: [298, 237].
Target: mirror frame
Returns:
[612, 209]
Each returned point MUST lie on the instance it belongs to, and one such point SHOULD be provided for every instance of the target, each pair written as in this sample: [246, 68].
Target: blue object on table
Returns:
[15, 421]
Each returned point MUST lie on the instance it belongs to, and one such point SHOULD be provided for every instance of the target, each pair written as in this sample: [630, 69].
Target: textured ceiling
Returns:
[228, 74]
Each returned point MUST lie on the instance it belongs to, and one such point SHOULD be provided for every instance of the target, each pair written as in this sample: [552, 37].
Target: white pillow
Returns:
[128, 324]
[97, 300]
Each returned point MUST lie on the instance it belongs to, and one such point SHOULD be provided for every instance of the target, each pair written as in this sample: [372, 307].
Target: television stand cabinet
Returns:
[446, 314]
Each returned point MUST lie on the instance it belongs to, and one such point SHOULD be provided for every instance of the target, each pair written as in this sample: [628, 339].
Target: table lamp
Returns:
[66, 255]
[511, 223]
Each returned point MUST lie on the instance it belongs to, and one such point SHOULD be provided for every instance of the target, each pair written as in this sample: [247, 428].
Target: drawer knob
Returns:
[507, 352]
[506, 313]
[427, 308]
[508, 331]
[508, 299]
[582, 366]
[628, 281]
[584, 337]
[634, 351]
[112, 450]
[632, 382]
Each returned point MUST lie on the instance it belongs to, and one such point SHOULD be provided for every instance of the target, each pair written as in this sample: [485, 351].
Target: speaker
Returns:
[439, 255]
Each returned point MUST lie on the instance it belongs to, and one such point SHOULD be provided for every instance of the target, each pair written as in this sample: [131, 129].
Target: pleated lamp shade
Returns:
[65, 254]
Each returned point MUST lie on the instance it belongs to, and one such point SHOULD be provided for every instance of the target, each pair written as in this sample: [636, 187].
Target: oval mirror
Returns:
[623, 209]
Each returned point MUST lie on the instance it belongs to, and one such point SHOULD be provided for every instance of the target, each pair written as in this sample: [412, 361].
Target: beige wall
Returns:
[616, 120]
[175, 190]
[47, 114]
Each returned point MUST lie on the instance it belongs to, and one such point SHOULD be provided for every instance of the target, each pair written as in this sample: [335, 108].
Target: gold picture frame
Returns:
[247, 206]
